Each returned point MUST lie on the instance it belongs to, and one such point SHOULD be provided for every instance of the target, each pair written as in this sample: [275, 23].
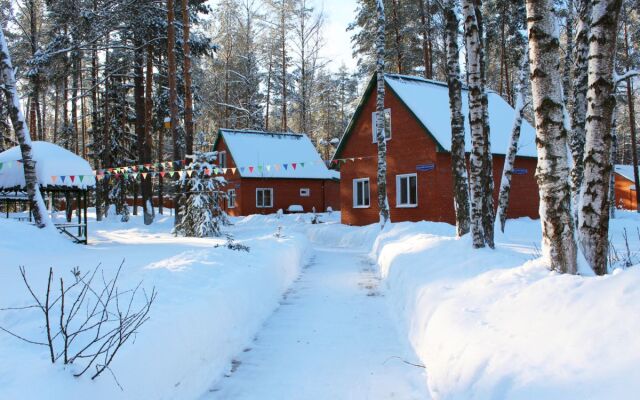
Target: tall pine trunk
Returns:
[552, 172]
[510, 157]
[383, 204]
[593, 217]
[147, 186]
[188, 98]
[171, 75]
[458, 158]
[427, 43]
[21, 130]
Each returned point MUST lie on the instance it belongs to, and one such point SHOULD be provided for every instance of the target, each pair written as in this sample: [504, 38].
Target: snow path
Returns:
[332, 338]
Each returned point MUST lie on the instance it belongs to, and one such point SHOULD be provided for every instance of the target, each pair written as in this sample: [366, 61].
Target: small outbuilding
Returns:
[419, 176]
[625, 188]
[271, 171]
[61, 175]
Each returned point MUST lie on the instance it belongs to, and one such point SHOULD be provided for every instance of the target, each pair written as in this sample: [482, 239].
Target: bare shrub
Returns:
[87, 321]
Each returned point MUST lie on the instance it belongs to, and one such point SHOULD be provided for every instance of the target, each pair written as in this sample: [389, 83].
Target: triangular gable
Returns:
[417, 96]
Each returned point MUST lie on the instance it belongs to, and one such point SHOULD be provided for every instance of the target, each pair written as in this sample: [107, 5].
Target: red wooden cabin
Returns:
[270, 171]
[625, 189]
[419, 177]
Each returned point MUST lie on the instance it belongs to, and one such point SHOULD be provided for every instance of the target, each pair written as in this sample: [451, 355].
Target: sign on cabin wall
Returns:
[520, 171]
[425, 167]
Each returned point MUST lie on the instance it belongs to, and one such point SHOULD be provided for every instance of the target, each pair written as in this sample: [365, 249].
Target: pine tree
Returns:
[593, 217]
[552, 172]
[201, 211]
[458, 157]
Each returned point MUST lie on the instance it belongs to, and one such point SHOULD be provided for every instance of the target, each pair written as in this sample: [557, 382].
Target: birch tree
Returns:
[21, 130]
[593, 217]
[579, 110]
[383, 203]
[552, 172]
[510, 157]
[473, 46]
[458, 158]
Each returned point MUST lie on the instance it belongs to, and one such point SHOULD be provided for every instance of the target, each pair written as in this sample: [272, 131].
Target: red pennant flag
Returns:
[250, 169]
[162, 173]
[73, 178]
[293, 165]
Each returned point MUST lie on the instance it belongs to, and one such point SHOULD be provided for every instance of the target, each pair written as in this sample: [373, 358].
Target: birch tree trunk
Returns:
[21, 130]
[614, 156]
[579, 110]
[593, 217]
[458, 158]
[488, 210]
[383, 203]
[552, 172]
[510, 157]
[473, 46]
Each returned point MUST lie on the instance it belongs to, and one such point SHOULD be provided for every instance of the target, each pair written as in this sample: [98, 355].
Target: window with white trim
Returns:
[361, 195]
[407, 190]
[264, 198]
[387, 124]
[222, 159]
[231, 198]
[305, 192]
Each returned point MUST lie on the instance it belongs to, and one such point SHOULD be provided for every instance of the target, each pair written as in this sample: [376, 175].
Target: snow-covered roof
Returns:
[55, 166]
[625, 171]
[429, 101]
[275, 155]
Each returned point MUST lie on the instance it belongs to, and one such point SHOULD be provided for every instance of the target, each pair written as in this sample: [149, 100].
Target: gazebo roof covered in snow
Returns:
[55, 168]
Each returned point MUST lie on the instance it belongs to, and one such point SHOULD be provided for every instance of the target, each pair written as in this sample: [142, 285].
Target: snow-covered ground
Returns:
[496, 324]
[332, 311]
[211, 302]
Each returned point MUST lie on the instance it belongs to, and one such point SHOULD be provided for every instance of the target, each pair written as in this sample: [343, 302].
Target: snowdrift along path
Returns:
[332, 338]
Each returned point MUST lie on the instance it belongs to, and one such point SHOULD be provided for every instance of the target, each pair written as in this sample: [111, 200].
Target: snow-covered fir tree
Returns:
[201, 205]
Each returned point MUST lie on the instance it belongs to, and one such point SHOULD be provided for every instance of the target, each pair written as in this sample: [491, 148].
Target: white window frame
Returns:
[374, 124]
[231, 198]
[222, 159]
[399, 178]
[270, 197]
[355, 193]
[305, 192]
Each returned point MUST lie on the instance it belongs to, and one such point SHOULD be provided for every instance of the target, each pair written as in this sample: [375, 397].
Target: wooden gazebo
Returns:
[60, 173]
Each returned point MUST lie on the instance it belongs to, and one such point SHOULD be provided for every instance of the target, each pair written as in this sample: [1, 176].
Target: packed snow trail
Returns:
[332, 338]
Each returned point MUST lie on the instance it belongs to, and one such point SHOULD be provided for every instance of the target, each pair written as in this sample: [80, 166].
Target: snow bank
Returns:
[211, 302]
[498, 325]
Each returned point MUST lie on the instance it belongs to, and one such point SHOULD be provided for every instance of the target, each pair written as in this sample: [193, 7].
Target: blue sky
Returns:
[339, 13]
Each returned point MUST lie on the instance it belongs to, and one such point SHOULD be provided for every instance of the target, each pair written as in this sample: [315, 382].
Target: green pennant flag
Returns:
[259, 168]
[81, 177]
[1, 166]
[302, 164]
